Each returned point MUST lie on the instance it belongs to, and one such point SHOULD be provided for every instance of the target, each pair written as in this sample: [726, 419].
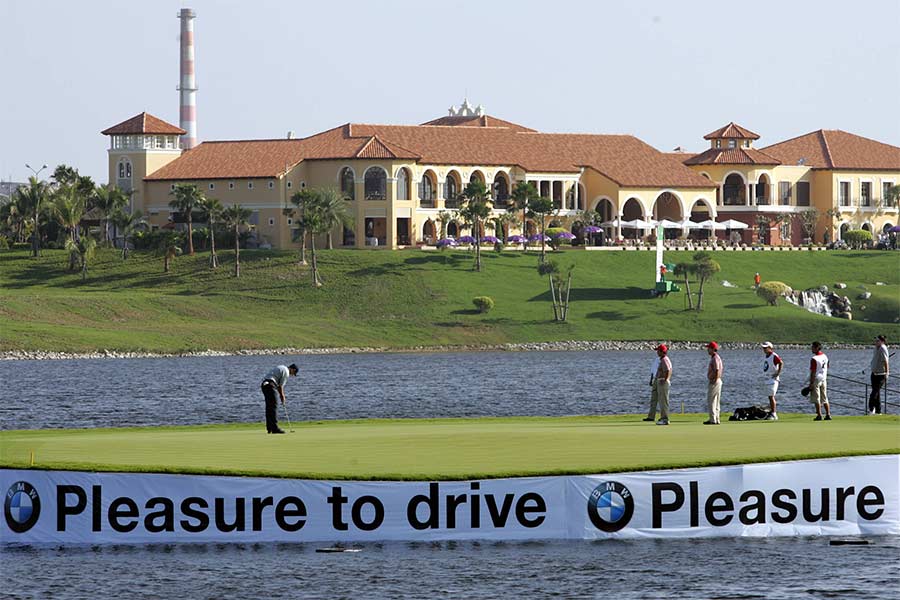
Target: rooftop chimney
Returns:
[188, 84]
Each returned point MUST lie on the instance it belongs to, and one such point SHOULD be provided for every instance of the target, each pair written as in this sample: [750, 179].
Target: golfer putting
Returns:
[274, 381]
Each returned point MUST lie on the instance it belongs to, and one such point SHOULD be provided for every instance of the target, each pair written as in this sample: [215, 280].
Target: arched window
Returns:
[476, 176]
[348, 188]
[375, 183]
[426, 190]
[403, 184]
[451, 190]
[501, 189]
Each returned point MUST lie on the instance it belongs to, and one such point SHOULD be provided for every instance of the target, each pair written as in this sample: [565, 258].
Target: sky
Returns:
[667, 72]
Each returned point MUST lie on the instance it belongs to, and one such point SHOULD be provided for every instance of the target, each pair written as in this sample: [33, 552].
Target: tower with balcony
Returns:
[137, 147]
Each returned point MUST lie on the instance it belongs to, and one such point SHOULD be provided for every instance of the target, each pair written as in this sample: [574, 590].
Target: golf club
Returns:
[288, 417]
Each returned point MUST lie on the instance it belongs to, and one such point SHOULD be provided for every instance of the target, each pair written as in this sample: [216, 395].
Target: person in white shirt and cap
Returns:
[772, 366]
[273, 382]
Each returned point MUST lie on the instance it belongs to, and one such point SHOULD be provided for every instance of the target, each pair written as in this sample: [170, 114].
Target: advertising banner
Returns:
[858, 495]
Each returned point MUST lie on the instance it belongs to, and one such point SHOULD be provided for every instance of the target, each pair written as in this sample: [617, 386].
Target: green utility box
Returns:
[664, 287]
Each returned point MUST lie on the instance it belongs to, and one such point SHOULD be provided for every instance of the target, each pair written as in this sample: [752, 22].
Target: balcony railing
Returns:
[451, 203]
[427, 202]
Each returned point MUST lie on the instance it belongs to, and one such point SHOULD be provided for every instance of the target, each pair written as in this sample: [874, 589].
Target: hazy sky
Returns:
[668, 72]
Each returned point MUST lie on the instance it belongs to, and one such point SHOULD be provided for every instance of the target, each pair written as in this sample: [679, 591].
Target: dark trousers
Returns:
[271, 396]
[875, 396]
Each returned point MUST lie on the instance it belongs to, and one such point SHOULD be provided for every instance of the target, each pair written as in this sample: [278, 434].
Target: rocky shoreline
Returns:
[566, 346]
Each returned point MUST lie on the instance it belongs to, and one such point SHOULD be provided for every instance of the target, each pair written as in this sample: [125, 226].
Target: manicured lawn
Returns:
[449, 448]
[410, 298]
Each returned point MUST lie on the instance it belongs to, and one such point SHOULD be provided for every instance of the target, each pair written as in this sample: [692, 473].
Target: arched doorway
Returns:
[530, 228]
[700, 211]
[428, 232]
[886, 228]
[845, 227]
[632, 209]
[667, 206]
[734, 191]
[762, 190]
[453, 229]
[867, 227]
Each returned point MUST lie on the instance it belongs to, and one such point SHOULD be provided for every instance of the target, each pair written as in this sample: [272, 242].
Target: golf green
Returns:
[430, 449]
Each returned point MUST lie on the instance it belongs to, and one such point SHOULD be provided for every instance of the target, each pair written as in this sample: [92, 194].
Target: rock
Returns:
[823, 289]
[840, 286]
[845, 315]
[865, 296]
[879, 283]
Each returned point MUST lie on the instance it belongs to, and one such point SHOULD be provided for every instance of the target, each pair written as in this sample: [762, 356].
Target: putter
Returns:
[287, 416]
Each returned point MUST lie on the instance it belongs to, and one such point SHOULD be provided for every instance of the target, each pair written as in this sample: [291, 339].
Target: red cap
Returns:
[663, 347]
[713, 345]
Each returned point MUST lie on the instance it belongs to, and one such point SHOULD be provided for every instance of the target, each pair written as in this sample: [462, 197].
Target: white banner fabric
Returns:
[843, 496]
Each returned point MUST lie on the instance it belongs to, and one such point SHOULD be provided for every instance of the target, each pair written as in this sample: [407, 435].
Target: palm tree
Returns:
[83, 250]
[32, 199]
[706, 268]
[212, 210]
[323, 210]
[233, 217]
[68, 209]
[187, 198]
[300, 200]
[686, 269]
[333, 211]
[108, 199]
[127, 223]
[522, 194]
[168, 246]
[475, 207]
[541, 207]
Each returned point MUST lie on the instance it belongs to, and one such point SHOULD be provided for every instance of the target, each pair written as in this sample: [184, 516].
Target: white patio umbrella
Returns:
[710, 224]
[733, 224]
[614, 223]
[667, 224]
[639, 224]
[688, 224]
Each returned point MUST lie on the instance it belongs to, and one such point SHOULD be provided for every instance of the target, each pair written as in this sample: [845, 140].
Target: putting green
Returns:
[420, 449]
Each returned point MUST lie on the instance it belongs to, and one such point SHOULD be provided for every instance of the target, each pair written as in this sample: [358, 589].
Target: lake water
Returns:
[170, 391]
[91, 393]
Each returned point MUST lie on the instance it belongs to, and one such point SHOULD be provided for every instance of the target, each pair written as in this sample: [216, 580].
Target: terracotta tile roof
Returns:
[732, 130]
[233, 160]
[482, 121]
[836, 149]
[144, 123]
[622, 158]
[732, 156]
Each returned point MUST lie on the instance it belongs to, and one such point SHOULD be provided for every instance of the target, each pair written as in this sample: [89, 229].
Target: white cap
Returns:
[767, 345]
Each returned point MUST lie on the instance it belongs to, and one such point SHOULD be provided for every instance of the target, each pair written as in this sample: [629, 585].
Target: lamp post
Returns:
[35, 237]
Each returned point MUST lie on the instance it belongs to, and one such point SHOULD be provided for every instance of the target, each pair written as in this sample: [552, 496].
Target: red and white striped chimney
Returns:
[188, 84]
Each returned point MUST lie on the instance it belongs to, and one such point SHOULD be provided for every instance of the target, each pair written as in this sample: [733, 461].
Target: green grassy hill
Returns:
[409, 298]
[428, 449]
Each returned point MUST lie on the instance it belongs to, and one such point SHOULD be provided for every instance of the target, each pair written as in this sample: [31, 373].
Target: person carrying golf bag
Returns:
[274, 381]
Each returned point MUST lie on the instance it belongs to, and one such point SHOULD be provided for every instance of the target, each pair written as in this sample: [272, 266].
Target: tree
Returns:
[233, 217]
[108, 199]
[770, 291]
[127, 223]
[68, 209]
[686, 269]
[523, 193]
[212, 214]
[169, 246]
[503, 223]
[706, 268]
[324, 209]
[559, 287]
[187, 198]
[300, 200]
[539, 208]
[445, 217]
[808, 220]
[32, 199]
[475, 207]
[83, 250]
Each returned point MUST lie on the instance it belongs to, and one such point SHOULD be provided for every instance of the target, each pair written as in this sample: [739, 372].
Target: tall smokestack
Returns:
[188, 84]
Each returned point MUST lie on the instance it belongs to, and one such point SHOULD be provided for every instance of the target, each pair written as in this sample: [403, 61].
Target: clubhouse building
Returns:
[402, 181]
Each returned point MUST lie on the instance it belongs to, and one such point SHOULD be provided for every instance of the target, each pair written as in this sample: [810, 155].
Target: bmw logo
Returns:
[22, 506]
[610, 506]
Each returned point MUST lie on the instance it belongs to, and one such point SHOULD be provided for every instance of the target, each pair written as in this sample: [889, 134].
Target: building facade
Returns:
[402, 181]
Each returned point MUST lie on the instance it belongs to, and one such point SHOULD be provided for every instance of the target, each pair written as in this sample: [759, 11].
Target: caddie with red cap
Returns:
[660, 377]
